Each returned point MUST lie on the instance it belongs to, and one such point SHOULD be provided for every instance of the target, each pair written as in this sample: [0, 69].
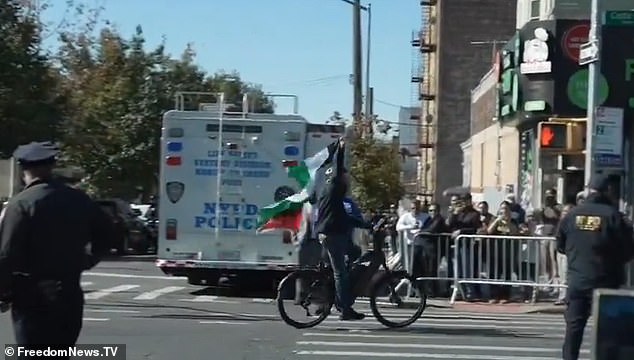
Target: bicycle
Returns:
[364, 272]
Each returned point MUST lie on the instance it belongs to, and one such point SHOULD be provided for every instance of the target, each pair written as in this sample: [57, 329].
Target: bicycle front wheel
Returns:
[304, 298]
[388, 299]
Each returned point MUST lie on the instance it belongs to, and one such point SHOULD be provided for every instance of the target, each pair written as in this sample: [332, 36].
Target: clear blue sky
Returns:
[287, 46]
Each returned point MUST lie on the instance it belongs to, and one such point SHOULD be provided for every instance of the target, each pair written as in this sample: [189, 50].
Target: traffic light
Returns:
[562, 136]
[553, 135]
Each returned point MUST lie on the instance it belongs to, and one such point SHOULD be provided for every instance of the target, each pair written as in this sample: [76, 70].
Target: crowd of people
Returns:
[430, 238]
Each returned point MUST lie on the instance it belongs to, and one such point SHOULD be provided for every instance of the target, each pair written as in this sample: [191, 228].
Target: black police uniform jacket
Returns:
[597, 242]
[44, 232]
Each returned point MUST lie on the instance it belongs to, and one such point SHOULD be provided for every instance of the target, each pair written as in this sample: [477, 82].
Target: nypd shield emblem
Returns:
[175, 190]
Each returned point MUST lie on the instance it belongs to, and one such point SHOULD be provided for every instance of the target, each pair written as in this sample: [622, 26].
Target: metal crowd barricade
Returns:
[441, 270]
[497, 261]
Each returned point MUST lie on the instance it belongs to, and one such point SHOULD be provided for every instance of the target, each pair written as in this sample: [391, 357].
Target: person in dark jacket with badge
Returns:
[597, 242]
[44, 233]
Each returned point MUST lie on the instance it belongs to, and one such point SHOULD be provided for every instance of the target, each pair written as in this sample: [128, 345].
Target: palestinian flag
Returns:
[288, 213]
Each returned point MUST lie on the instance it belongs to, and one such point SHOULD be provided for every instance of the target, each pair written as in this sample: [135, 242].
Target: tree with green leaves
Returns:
[30, 106]
[117, 93]
[376, 173]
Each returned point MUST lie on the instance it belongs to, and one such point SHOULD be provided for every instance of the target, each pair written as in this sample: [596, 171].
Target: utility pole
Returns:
[357, 80]
[594, 73]
[368, 91]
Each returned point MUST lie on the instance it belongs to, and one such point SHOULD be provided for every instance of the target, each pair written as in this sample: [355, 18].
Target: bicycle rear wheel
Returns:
[387, 299]
[304, 298]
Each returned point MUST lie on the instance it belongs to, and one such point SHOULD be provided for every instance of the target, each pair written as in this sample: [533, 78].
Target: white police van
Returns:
[217, 169]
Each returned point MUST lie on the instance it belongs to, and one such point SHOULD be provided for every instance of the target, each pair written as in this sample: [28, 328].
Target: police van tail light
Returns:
[289, 163]
[287, 237]
[171, 229]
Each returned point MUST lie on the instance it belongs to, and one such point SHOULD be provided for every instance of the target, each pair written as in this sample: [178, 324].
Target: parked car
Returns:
[147, 214]
[131, 235]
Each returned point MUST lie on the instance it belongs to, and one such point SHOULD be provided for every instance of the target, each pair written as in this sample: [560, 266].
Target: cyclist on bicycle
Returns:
[333, 224]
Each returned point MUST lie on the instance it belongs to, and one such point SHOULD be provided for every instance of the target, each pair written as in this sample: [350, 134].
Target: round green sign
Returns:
[578, 89]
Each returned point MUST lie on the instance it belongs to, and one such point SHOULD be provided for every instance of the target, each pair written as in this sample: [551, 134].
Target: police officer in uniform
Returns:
[597, 242]
[44, 235]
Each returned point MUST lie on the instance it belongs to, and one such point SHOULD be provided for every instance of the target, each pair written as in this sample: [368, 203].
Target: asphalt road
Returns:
[158, 317]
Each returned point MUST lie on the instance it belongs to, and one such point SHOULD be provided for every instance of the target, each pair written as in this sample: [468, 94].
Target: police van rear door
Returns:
[218, 214]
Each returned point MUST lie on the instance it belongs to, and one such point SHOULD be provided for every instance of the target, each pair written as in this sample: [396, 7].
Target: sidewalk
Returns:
[511, 308]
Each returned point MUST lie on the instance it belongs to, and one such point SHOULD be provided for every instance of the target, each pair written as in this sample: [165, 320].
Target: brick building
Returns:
[457, 39]
[492, 152]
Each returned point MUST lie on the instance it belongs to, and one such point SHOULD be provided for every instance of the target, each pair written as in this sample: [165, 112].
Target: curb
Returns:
[439, 304]
[498, 309]
[502, 309]
[551, 309]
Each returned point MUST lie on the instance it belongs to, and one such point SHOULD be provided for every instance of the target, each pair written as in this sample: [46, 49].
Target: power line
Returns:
[315, 82]
[405, 123]
[388, 103]
[418, 125]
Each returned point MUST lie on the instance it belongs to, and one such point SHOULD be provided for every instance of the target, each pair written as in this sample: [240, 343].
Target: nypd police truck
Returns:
[217, 169]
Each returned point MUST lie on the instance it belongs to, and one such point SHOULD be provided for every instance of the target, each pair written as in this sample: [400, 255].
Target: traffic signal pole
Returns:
[594, 73]
[357, 58]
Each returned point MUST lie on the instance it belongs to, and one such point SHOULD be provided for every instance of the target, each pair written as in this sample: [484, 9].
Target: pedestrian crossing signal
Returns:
[569, 136]
[553, 136]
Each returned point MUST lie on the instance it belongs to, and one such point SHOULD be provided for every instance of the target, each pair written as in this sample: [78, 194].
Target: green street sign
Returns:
[619, 18]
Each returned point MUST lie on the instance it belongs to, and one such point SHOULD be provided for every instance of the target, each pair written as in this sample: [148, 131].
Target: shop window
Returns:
[535, 5]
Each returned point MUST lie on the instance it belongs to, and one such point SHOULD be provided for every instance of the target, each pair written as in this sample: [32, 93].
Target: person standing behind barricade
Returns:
[562, 263]
[392, 219]
[454, 200]
[485, 216]
[409, 224]
[517, 212]
[465, 220]
[547, 220]
[504, 253]
[45, 223]
[430, 246]
[597, 241]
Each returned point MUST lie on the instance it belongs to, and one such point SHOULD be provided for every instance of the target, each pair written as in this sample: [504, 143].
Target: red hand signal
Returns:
[547, 136]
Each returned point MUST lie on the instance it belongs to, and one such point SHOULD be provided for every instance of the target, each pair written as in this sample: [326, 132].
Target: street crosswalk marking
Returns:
[211, 299]
[95, 319]
[420, 355]
[517, 337]
[429, 346]
[151, 295]
[105, 292]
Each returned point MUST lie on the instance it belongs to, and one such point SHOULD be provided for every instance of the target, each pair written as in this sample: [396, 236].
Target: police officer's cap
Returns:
[599, 182]
[36, 153]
